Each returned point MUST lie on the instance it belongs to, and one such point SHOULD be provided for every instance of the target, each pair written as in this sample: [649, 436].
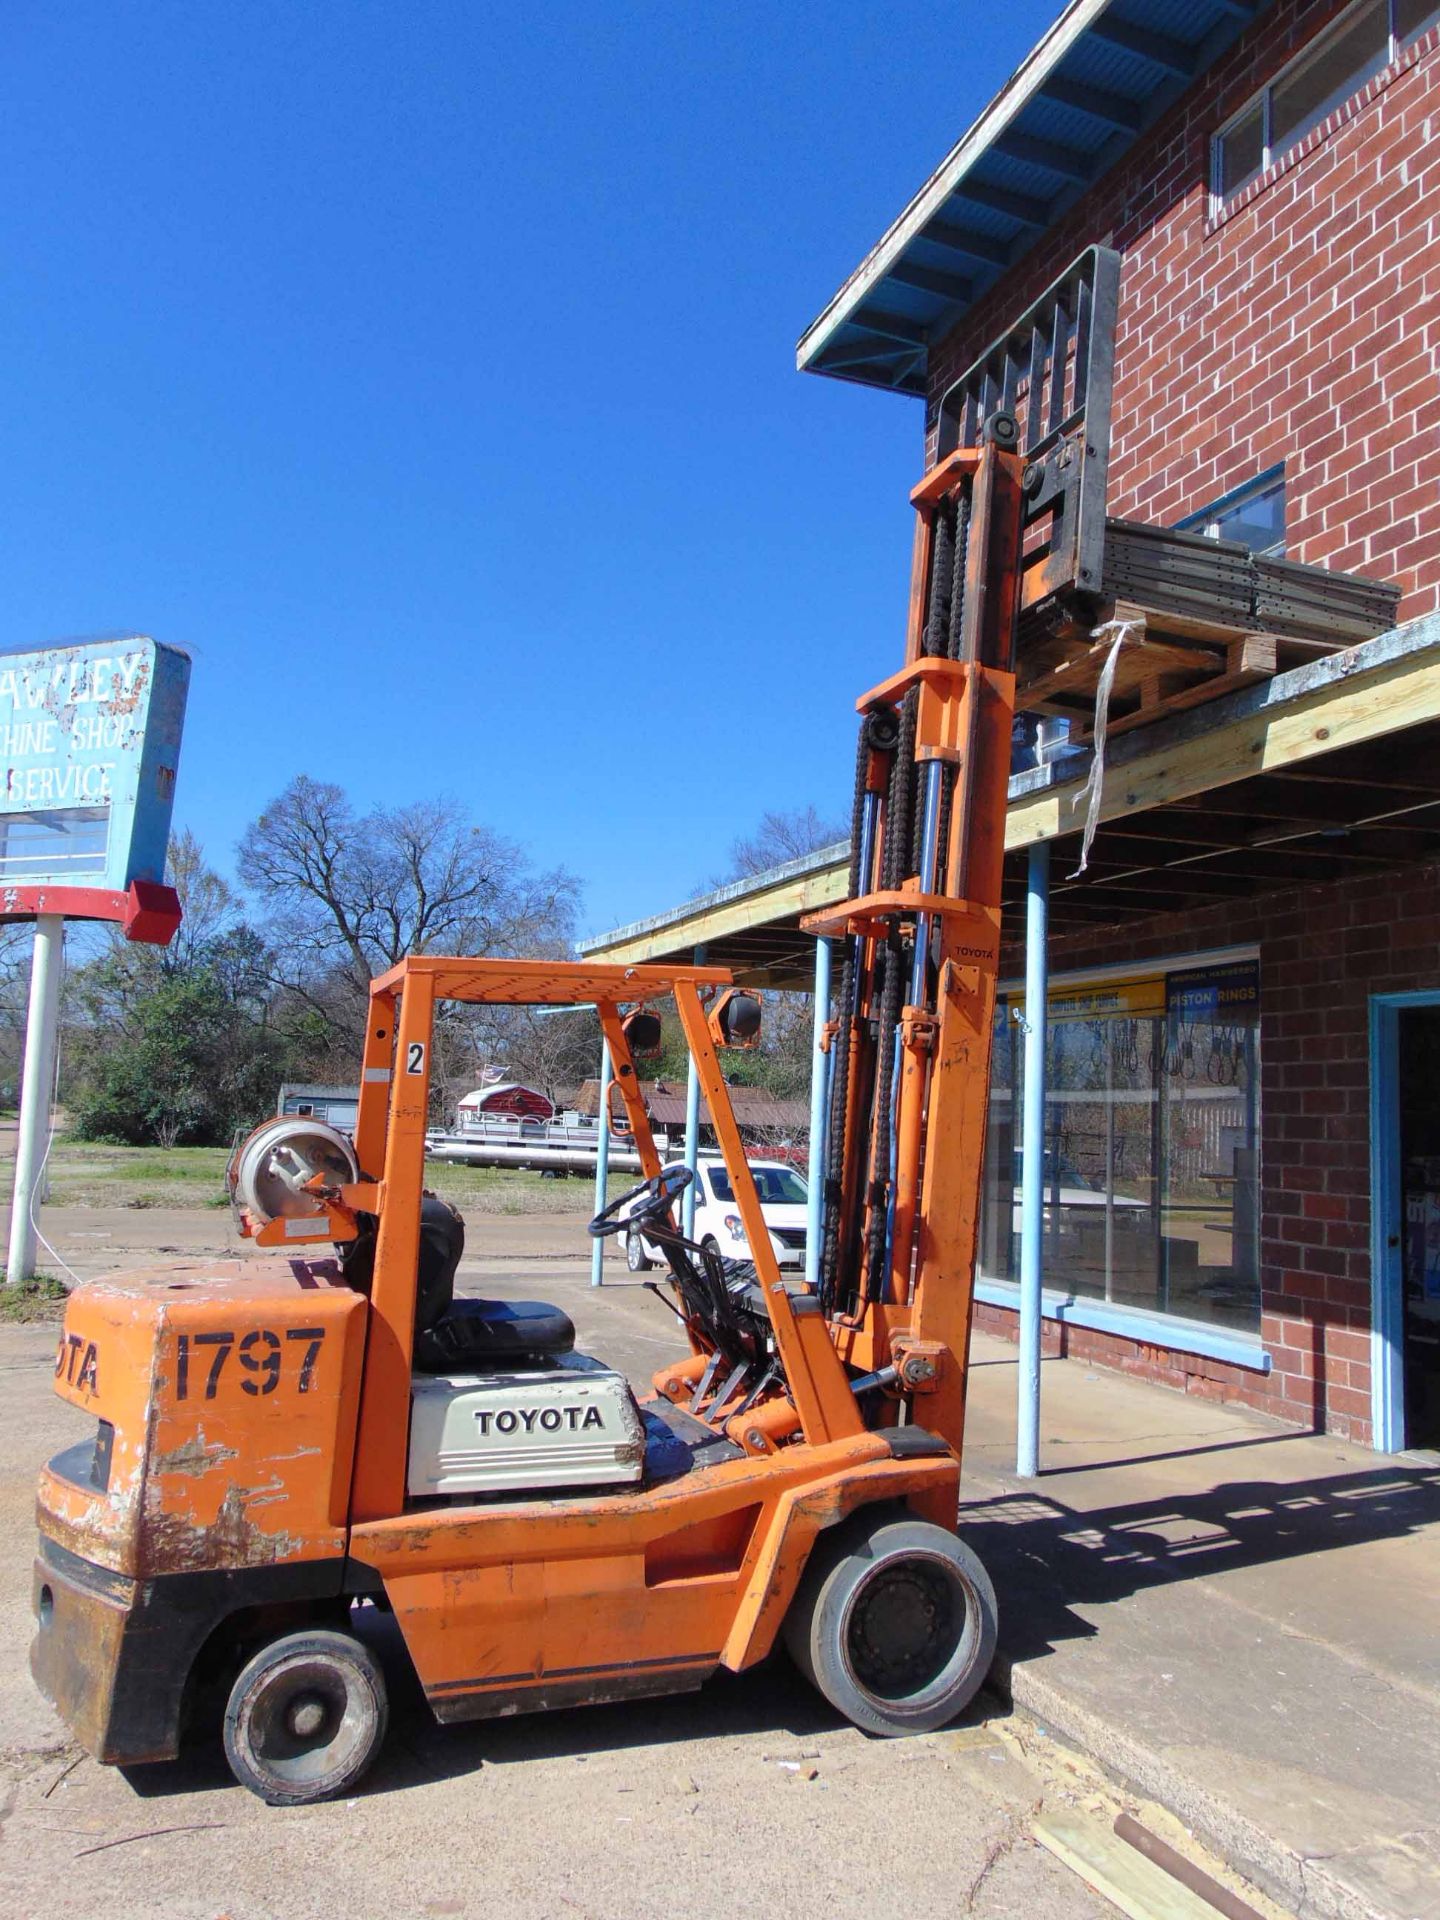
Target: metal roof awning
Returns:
[1103, 74]
[1324, 772]
[666, 1106]
[751, 926]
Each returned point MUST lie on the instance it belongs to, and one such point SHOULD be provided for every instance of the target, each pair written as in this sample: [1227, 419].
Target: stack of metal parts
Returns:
[1222, 582]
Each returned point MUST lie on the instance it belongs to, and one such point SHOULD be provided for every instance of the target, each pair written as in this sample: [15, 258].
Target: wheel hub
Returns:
[306, 1716]
[904, 1628]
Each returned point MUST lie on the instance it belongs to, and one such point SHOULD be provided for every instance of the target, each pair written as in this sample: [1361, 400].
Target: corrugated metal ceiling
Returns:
[1104, 73]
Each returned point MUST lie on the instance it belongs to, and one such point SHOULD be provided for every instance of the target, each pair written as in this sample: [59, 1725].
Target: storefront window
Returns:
[1151, 1160]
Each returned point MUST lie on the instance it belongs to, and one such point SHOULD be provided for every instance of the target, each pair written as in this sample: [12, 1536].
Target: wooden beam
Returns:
[1316, 710]
[1344, 778]
[1142, 657]
[1184, 878]
[1118, 1873]
[1336, 712]
[824, 887]
[1300, 811]
[1249, 660]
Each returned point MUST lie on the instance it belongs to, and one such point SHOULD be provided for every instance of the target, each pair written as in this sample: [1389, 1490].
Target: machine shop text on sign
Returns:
[90, 735]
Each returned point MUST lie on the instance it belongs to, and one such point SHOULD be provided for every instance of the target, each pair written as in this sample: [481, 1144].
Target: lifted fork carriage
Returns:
[258, 1464]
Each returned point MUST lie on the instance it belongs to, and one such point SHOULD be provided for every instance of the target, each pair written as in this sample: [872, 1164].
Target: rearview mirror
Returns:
[735, 1019]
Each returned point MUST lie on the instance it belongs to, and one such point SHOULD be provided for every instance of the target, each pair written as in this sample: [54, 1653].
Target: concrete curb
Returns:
[1307, 1887]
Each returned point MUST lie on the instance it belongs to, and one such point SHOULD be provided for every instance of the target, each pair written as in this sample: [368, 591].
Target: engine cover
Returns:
[573, 1425]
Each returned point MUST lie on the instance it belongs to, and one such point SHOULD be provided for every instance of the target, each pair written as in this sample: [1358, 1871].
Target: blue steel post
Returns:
[819, 1104]
[602, 1165]
[1032, 1161]
[692, 1131]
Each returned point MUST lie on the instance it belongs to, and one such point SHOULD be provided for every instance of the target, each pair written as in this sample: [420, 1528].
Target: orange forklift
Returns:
[283, 1441]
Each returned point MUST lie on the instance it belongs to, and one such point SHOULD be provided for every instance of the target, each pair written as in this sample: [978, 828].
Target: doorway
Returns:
[1405, 1083]
[1419, 1091]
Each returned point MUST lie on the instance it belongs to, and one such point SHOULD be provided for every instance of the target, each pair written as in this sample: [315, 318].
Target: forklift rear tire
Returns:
[895, 1625]
[305, 1718]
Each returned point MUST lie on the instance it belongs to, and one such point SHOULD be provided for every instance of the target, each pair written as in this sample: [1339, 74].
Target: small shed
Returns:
[506, 1100]
[338, 1106]
[753, 1107]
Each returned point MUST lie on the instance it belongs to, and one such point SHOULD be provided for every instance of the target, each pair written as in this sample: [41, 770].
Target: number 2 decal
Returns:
[262, 1360]
[415, 1057]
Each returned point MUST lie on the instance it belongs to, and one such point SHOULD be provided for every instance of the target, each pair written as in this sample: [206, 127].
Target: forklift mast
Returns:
[1011, 514]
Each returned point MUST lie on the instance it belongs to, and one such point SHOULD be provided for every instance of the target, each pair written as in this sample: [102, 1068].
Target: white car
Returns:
[1069, 1190]
[783, 1198]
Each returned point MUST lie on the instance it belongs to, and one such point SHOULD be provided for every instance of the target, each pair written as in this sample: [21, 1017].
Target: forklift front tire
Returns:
[895, 1625]
[305, 1718]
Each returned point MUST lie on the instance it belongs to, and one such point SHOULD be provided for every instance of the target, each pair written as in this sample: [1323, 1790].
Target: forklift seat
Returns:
[461, 1336]
[472, 1336]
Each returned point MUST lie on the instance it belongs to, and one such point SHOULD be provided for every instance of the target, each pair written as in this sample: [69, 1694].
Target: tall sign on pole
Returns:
[89, 750]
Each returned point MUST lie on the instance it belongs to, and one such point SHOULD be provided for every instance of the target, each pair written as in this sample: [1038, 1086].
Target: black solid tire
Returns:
[895, 1624]
[636, 1258]
[306, 1716]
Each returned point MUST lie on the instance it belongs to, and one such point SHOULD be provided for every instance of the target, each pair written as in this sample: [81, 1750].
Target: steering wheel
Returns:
[651, 1199]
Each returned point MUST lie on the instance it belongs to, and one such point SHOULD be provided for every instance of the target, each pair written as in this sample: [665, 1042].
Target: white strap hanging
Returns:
[1123, 631]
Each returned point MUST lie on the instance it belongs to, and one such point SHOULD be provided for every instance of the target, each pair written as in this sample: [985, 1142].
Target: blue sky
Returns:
[427, 370]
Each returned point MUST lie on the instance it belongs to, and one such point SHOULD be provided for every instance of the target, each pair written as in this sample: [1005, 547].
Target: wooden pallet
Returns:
[1157, 671]
[1199, 619]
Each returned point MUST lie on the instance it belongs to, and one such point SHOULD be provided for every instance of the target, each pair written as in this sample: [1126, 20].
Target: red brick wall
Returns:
[1304, 326]
[1323, 951]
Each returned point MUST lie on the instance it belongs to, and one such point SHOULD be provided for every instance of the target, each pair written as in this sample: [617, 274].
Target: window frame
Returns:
[1154, 1326]
[1206, 520]
[1220, 201]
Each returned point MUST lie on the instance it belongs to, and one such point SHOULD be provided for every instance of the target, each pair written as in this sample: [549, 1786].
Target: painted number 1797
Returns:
[262, 1356]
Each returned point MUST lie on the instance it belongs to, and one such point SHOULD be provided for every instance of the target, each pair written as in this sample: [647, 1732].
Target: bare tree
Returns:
[778, 838]
[121, 973]
[348, 895]
[553, 1051]
[209, 905]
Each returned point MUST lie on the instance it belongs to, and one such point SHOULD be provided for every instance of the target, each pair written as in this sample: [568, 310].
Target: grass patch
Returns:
[84, 1174]
[41, 1298]
[512, 1190]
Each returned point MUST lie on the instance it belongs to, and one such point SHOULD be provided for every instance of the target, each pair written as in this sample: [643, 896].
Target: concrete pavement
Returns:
[750, 1792]
[1234, 1618]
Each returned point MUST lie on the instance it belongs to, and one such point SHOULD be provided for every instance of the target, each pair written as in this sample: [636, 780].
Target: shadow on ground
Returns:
[1048, 1558]
[770, 1699]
